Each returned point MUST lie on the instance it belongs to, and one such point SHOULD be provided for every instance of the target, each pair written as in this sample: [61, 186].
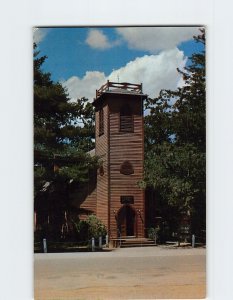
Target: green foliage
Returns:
[178, 172]
[63, 131]
[63, 135]
[89, 228]
[152, 232]
[175, 144]
[57, 121]
[95, 227]
[81, 228]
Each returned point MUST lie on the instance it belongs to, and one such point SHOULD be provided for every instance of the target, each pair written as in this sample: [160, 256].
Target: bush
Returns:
[152, 232]
[91, 227]
[82, 230]
[95, 227]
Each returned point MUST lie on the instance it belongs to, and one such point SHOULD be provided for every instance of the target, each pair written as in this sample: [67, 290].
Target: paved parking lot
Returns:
[130, 273]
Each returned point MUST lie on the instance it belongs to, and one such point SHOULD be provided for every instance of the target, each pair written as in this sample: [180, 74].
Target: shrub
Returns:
[152, 232]
[91, 227]
[82, 230]
[95, 227]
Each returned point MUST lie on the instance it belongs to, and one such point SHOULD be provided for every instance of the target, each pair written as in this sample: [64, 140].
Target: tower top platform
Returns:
[119, 88]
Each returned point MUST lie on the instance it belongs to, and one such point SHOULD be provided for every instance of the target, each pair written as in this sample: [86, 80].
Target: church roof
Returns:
[91, 152]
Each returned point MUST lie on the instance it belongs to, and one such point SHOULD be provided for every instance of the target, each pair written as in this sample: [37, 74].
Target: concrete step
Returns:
[137, 242]
[137, 245]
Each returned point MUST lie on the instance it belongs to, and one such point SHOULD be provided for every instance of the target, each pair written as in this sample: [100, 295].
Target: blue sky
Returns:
[84, 58]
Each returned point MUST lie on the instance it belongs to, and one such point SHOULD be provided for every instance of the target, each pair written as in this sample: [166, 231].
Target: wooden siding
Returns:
[102, 191]
[90, 203]
[83, 197]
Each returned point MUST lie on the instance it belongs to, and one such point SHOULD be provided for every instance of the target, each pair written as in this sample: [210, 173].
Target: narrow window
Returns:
[126, 119]
[101, 121]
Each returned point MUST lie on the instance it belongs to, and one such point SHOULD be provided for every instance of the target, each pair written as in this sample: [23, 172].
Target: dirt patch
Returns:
[124, 274]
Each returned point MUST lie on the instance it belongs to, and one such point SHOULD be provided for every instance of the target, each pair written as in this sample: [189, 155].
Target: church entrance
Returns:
[127, 221]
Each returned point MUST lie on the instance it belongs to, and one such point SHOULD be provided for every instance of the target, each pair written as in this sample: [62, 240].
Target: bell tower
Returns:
[119, 135]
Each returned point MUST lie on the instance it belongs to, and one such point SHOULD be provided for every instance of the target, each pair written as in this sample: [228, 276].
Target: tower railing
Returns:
[137, 88]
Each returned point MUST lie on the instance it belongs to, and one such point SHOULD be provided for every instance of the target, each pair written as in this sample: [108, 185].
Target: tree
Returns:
[63, 135]
[175, 143]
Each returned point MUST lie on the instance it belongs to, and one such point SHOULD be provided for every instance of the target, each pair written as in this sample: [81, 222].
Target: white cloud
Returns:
[155, 39]
[39, 34]
[98, 40]
[86, 86]
[156, 72]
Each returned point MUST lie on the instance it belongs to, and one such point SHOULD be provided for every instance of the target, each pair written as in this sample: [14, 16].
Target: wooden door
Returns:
[126, 221]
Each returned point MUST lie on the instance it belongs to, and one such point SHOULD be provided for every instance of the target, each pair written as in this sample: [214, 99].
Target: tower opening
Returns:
[126, 119]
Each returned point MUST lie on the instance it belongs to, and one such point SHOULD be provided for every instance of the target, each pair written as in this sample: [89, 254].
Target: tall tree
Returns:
[175, 143]
[63, 136]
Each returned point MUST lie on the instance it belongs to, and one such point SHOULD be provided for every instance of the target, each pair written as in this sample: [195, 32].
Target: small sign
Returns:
[127, 199]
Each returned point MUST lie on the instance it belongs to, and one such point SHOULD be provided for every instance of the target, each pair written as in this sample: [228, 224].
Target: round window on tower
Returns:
[126, 168]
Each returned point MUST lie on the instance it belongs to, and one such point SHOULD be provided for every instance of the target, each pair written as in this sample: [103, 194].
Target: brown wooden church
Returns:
[117, 199]
[112, 194]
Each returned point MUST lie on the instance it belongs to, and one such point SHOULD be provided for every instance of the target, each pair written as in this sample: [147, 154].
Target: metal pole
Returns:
[100, 241]
[193, 240]
[93, 244]
[107, 240]
[45, 245]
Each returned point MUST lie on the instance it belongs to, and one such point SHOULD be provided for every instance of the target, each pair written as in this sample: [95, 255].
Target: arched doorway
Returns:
[127, 221]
